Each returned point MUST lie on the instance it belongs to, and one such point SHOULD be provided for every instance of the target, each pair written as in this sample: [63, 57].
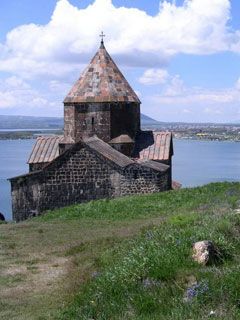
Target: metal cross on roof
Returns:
[102, 35]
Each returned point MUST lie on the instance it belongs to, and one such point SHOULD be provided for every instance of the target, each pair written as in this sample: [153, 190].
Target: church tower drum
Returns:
[101, 103]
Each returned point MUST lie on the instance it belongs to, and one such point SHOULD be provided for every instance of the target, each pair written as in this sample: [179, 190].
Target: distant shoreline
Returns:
[27, 130]
[213, 140]
[24, 134]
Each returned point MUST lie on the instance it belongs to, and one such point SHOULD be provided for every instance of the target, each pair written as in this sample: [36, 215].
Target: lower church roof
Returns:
[45, 149]
[108, 152]
[153, 165]
[148, 146]
[151, 145]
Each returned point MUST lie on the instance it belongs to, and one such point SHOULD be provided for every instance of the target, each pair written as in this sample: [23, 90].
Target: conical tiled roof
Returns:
[101, 81]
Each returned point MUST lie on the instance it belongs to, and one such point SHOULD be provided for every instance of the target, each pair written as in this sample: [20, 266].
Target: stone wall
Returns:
[93, 118]
[143, 180]
[69, 123]
[36, 166]
[125, 119]
[80, 175]
[26, 196]
[125, 148]
[85, 120]
[106, 120]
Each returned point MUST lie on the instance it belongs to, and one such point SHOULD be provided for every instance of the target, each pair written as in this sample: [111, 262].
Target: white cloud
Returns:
[154, 76]
[133, 36]
[57, 51]
[59, 86]
[190, 96]
[186, 111]
[175, 87]
[15, 92]
[15, 82]
[178, 102]
[213, 111]
[238, 84]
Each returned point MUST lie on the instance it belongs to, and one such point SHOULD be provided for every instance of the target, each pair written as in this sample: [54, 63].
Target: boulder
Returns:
[2, 218]
[205, 252]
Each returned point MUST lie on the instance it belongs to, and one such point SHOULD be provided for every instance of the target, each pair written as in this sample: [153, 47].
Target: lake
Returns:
[194, 163]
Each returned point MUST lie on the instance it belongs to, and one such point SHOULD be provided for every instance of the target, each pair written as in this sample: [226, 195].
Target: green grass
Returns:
[148, 277]
[202, 199]
[127, 258]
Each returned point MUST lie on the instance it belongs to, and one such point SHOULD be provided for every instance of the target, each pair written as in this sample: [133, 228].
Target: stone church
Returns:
[103, 152]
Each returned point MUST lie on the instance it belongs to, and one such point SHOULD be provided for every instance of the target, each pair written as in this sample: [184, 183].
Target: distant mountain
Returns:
[28, 122]
[145, 120]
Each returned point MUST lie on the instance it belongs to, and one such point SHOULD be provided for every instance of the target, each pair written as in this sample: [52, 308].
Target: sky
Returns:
[181, 57]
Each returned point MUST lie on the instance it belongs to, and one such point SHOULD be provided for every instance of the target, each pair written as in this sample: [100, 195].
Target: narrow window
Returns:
[92, 123]
[135, 174]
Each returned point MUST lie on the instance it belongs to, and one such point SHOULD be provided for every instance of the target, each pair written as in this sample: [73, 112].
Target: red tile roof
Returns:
[45, 149]
[101, 81]
[154, 146]
[148, 146]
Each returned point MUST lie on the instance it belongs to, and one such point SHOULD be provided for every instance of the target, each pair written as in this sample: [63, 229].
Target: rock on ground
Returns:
[205, 252]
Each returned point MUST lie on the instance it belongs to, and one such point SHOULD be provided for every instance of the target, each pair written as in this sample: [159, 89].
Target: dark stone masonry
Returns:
[107, 120]
[103, 152]
[82, 174]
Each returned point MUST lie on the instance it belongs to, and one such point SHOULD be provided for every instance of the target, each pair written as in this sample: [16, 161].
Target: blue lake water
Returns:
[194, 163]
[199, 162]
[13, 157]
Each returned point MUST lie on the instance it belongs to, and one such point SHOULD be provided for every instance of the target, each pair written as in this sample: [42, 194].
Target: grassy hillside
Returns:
[127, 258]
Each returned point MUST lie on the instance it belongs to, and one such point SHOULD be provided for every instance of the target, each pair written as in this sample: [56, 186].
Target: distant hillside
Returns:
[147, 120]
[28, 122]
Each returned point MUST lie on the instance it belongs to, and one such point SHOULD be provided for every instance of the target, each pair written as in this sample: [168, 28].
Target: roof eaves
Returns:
[22, 176]
[153, 165]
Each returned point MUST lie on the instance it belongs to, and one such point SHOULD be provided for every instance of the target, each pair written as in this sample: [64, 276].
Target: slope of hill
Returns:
[27, 122]
[127, 258]
[145, 120]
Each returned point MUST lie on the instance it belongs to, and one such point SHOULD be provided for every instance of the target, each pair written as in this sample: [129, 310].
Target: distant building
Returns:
[103, 152]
